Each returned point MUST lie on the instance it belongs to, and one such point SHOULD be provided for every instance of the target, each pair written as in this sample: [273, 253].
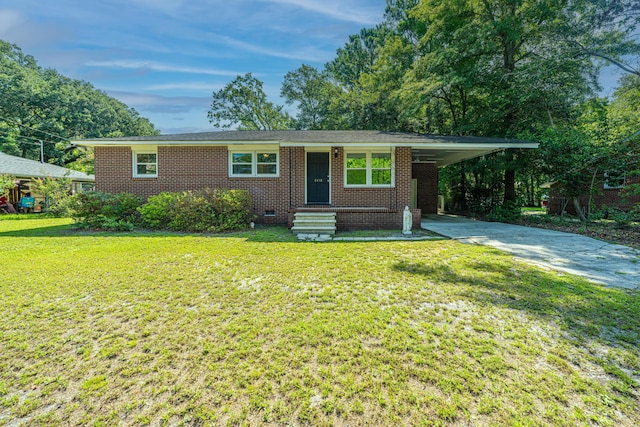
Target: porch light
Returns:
[335, 153]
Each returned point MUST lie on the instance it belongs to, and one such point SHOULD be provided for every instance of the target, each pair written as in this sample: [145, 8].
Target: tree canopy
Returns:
[498, 68]
[242, 103]
[39, 104]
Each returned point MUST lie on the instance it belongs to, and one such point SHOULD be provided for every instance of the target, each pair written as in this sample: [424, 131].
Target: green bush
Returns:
[57, 193]
[158, 211]
[203, 210]
[622, 219]
[508, 212]
[105, 211]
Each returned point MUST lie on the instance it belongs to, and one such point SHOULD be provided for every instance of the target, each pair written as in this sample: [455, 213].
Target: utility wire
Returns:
[7, 133]
[34, 129]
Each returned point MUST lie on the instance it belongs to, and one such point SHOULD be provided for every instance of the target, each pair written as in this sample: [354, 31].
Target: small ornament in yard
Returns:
[407, 221]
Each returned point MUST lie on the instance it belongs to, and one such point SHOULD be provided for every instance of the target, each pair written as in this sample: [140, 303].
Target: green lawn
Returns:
[256, 328]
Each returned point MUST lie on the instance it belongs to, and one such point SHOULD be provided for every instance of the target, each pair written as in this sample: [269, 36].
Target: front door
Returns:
[318, 178]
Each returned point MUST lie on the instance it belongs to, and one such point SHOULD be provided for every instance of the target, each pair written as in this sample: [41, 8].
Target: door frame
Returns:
[316, 150]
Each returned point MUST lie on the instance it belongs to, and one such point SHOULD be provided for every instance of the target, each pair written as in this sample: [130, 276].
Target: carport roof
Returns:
[443, 150]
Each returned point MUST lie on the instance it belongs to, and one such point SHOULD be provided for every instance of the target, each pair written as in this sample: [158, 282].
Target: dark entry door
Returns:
[318, 178]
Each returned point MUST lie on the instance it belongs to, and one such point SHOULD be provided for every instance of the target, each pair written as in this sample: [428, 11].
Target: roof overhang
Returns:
[442, 150]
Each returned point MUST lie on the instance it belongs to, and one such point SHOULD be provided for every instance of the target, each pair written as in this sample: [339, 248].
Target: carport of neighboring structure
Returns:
[597, 261]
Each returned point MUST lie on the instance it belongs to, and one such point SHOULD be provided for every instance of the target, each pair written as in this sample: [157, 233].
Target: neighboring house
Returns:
[608, 191]
[25, 171]
[365, 178]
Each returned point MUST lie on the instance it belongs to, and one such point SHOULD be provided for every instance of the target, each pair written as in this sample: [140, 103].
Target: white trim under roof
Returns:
[443, 150]
[176, 143]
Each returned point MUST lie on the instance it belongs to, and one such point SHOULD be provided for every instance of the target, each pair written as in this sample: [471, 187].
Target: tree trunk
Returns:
[463, 189]
[509, 178]
[579, 211]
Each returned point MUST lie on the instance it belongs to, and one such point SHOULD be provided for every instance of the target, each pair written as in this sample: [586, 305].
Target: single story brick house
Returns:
[365, 178]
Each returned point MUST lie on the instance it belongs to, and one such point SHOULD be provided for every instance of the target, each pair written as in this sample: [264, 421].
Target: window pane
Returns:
[381, 176]
[146, 169]
[267, 158]
[614, 179]
[356, 177]
[242, 169]
[241, 158]
[145, 158]
[381, 161]
[266, 169]
[356, 160]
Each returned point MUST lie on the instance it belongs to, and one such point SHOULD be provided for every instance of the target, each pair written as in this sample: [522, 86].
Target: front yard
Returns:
[255, 328]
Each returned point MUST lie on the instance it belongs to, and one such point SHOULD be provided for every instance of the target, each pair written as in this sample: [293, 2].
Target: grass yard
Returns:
[256, 328]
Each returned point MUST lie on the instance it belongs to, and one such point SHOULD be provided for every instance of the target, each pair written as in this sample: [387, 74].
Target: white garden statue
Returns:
[407, 221]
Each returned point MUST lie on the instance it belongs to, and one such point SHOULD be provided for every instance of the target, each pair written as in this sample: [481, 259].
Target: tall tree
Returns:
[244, 104]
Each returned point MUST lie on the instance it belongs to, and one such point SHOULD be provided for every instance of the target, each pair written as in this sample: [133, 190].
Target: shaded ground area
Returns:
[598, 261]
[606, 230]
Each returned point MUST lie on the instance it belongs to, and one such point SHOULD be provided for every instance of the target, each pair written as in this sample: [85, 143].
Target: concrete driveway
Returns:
[609, 264]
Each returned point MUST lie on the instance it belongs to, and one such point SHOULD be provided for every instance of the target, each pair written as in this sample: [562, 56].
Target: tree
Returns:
[244, 104]
[358, 55]
[313, 93]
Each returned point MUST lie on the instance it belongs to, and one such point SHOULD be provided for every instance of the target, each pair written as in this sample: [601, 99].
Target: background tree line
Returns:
[39, 104]
[497, 68]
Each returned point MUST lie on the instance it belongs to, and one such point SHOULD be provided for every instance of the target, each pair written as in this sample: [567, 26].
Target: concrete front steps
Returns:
[314, 223]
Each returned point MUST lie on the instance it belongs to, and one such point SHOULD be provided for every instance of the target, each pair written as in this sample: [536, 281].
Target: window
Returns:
[368, 169]
[614, 179]
[253, 164]
[145, 164]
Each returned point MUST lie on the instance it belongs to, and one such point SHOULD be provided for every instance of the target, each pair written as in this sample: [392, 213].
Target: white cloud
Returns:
[335, 9]
[305, 54]
[159, 103]
[28, 34]
[8, 20]
[184, 86]
[156, 66]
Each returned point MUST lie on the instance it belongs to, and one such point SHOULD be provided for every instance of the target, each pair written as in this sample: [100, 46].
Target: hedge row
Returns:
[211, 210]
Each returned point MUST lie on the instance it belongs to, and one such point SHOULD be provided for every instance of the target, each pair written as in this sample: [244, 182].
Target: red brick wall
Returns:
[427, 176]
[182, 168]
[611, 197]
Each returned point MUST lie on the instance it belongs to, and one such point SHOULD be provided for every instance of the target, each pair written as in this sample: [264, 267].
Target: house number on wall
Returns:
[317, 180]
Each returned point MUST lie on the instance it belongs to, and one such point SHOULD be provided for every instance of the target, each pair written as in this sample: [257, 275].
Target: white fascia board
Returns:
[430, 145]
[124, 143]
[474, 146]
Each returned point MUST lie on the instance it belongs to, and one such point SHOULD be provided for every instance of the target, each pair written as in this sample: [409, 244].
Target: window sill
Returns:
[253, 176]
[347, 187]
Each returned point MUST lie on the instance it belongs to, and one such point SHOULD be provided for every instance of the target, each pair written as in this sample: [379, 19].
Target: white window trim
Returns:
[369, 169]
[134, 160]
[614, 187]
[254, 163]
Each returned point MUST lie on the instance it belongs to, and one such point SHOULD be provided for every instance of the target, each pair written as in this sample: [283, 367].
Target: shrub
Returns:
[203, 210]
[622, 219]
[105, 211]
[7, 183]
[57, 194]
[508, 212]
[158, 211]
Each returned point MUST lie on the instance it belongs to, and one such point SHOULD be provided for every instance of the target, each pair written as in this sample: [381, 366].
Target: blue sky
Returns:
[166, 57]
